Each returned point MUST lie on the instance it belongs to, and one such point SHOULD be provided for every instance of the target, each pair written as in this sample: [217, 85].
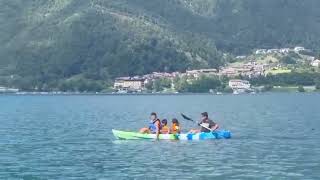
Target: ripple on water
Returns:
[69, 137]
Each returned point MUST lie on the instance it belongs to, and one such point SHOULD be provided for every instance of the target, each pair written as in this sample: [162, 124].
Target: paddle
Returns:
[189, 119]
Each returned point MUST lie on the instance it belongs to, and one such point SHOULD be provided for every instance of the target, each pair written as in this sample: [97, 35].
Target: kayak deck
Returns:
[127, 135]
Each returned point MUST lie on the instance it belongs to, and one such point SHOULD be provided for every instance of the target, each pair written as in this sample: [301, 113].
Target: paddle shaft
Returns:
[187, 118]
[205, 127]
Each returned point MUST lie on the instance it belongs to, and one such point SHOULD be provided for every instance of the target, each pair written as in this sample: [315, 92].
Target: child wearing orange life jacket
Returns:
[164, 127]
[175, 128]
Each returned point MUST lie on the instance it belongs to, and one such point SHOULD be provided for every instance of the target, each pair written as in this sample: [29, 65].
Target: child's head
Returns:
[175, 121]
[153, 116]
[164, 122]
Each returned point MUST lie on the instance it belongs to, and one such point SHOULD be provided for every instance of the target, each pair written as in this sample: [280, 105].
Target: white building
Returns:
[298, 49]
[8, 90]
[273, 51]
[241, 57]
[315, 63]
[261, 51]
[129, 83]
[310, 58]
[237, 84]
[285, 50]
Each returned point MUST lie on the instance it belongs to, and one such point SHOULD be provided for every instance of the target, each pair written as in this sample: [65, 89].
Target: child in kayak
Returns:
[175, 128]
[154, 126]
[164, 127]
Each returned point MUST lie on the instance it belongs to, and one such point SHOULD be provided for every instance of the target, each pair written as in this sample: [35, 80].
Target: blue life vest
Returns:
[152, 126]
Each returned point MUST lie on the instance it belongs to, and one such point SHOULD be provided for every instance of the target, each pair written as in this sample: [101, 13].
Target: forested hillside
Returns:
[83, 44]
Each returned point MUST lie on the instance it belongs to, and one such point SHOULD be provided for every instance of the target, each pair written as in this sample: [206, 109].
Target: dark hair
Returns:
[154, 114]
[174, 120]
[205, 114]
[164, 121]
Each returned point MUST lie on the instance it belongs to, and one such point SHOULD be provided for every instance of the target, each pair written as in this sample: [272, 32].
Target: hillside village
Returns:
[261, 63]
[237, 75]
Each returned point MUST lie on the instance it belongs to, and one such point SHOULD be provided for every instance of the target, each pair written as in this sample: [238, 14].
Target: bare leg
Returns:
[144, 130]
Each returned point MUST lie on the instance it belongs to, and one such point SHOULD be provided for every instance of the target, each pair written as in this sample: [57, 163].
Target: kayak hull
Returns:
[221, 134]
[127, 135]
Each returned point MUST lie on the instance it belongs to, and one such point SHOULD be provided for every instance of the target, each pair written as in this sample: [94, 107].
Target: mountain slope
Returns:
[97, 40]
[241, 25]
[53, 44]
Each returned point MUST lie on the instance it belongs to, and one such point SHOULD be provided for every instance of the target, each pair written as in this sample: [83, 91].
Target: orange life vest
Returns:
[175, 129]
[165, 130]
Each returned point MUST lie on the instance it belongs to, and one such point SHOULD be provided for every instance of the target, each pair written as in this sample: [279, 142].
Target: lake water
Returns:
[275, 136]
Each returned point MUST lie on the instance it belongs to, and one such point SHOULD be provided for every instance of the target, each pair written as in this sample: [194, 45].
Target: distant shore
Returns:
[109, 94]
[277, 90]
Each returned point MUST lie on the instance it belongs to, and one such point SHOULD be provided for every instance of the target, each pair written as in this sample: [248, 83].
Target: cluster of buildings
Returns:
[251, 69]
[125, 84]
[137, 83]
[282, 50]
[240, 86]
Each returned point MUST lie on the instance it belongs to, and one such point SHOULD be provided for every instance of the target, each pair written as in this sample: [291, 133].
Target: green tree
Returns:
[317, 84]
[267, 87]
[202, 85]
[157, 86]
[301, 89]
[165, 82]
[149, 86]
[181, 84]
[287, 60]
[227, 89]
[287, 79]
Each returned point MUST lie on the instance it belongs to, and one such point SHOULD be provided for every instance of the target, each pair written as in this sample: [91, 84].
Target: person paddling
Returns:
[154, 125]
[206, 124]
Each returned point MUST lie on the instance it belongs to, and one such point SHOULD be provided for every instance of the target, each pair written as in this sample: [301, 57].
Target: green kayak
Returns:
[136, 135]
[127, 135]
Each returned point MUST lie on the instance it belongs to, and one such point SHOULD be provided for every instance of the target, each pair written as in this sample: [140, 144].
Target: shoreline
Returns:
[150, 94]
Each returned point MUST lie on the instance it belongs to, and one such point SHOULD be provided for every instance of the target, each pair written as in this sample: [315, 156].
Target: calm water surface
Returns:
[275, 136]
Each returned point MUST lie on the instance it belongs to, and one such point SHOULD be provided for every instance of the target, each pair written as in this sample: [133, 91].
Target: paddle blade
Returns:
[186, 117]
